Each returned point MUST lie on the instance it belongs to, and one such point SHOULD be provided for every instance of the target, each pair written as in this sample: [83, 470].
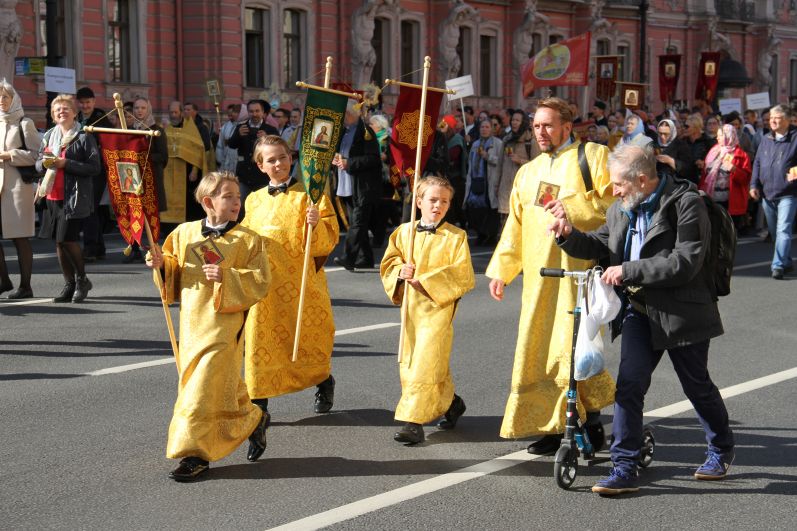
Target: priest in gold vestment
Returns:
[186, 165]
[444, 274]
[280, 213]
[540, 377]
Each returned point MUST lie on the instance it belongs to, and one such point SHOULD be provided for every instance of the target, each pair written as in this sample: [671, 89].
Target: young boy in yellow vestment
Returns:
[441, 258]
[213, 414]
[281, 213]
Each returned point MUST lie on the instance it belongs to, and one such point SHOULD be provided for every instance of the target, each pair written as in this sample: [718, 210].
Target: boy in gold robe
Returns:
[280, 213]
[216, 269]
[444, 274]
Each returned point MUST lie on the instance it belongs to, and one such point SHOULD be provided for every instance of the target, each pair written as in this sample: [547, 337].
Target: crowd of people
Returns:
[547, 188]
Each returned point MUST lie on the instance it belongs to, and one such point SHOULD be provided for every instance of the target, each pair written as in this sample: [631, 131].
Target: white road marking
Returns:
[164, 361]
[23, 302]
[428, 486]
[753, 266]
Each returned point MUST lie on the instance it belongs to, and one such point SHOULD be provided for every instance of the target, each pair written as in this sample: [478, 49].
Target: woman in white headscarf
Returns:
[19, 145]
[674, 154]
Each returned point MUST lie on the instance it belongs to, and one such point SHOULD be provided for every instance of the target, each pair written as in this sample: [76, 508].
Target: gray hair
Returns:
[381, 119]
[631, 161]
[6, 87]
[781, 109]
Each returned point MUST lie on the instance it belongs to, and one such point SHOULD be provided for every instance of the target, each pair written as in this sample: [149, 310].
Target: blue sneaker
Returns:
[716, 465]
[618, 482]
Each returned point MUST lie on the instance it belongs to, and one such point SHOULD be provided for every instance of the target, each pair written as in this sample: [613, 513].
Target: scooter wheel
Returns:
[648, 446]
[565, 467]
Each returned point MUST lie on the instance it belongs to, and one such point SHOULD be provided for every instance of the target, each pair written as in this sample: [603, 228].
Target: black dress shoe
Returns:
[257, 441]
[325, 395]
[66, 293]
[411, 433]
[190, 469]
[596, 436]
[547, 445]
[343, 263]
[20, 293]
[6, 287]
[364, 265]
[82, 287]
[455, 410]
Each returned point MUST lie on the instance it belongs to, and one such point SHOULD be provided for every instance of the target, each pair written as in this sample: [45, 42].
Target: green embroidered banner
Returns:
[321, 130]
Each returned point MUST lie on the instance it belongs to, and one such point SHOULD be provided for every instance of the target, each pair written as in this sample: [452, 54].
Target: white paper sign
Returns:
[759, 100]
[463, 86]
[729, 105]
[59, 80]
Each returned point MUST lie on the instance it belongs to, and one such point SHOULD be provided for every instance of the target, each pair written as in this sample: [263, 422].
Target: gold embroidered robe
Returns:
[213, 413]
[443, 266]
[185, 147]
[541, 372]
[271, 324]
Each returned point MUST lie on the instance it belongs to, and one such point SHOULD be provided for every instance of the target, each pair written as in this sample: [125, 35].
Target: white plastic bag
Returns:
[603, 304]
[588, 360]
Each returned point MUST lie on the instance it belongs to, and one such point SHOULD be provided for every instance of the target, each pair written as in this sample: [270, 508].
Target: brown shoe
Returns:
[190, 469]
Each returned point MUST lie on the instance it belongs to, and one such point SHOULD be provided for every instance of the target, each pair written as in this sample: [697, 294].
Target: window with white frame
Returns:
[294, 51]
[488, 64]
[121, 25]
[624, 51]
[381, 44]
[63, 24]
[464, 50]
[257, 58]
[410, 53]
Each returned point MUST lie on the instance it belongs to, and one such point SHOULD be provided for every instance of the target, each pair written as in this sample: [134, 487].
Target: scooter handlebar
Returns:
[551, 272]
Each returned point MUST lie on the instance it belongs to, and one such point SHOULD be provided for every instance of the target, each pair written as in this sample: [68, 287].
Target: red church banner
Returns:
[669, 73]
[607, 76]
[404, 137]
[560, 64]
[707, 76]
[131, 184]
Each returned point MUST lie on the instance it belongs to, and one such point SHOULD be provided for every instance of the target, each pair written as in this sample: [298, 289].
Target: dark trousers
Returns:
[638, 360]
[94, 225]
[357, 249]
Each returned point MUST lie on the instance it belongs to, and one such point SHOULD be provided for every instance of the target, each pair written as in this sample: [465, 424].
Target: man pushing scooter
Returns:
[657, 240]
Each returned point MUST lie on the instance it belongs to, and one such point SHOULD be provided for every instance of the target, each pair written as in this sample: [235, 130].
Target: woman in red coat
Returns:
[726, 174]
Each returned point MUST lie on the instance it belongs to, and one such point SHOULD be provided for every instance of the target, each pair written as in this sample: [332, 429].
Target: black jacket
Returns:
[246, 169]
[670, 270]
[364, 166]
[158, 158]
[82, 165]
[685, 167]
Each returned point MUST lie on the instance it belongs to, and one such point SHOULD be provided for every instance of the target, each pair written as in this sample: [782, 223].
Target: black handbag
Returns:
[28, 174]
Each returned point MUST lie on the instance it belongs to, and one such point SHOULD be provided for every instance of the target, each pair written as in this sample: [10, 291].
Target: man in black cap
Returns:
[94, 224]
[599, 113]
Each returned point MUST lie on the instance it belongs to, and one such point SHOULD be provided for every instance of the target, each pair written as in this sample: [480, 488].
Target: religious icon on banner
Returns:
[669, 70]
[607, 70]
[207, 252]
[710, 68]
[321, 129]
[129, 177]
[546, 192]
[631, 98]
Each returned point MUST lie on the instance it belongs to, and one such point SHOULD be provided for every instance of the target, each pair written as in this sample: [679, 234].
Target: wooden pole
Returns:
[352, 95]
[427, 65]
[307, 247]
[413, 85]
[146, 132]
[156, 274]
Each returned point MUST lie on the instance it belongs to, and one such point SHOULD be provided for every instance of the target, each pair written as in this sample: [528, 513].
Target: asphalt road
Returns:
[82, 449]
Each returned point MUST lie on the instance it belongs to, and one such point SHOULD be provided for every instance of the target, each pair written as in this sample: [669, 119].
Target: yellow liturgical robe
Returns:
[541, 373]
[213, 413]
[185, 147]
[443, 267]
[271, 324]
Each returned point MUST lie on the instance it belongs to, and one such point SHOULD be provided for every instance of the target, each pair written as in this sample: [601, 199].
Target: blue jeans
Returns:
[780, 219]
[638, 360]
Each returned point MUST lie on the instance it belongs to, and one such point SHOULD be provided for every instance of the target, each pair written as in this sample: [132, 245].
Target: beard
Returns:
[633, 199]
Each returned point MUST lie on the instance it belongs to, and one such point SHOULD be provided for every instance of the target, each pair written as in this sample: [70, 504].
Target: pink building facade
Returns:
[168, 50]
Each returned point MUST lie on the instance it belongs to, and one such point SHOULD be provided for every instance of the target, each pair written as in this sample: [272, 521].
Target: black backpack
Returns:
[722, 251]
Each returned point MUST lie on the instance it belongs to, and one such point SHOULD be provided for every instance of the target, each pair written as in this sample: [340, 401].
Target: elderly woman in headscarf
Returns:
[674, 154]
[520, 146]
[727, 172]
[635, 132]
[19, 144]
[158, 156]
[71, 160]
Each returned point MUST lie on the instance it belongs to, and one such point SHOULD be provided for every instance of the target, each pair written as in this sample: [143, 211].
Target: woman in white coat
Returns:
[16, 196]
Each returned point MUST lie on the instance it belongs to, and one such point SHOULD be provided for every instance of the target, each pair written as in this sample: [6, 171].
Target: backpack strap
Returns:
[586, 175]
[22, 134]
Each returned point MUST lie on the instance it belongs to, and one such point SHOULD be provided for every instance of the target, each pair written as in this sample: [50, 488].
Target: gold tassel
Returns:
[128, 250]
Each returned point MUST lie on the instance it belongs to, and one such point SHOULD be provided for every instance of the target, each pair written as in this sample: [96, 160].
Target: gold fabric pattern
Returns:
[271, 324]
[541, 372]
[185, 147]
[213, 414]
[444, 269]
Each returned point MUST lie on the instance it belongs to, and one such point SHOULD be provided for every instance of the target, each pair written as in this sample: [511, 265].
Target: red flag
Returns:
[607, 76]
[404, 137]
[669, 73]
[560, 64]
[131, 185]
[707, 76]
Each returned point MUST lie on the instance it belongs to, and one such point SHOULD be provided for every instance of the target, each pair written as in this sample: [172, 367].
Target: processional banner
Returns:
[607, 76]
[561, 64]
[131, 184]
[321, 132]
[669, 73]
[404, 137]
[708, 76]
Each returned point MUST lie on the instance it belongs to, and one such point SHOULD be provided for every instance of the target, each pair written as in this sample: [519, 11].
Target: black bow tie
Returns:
[431, 229]
[216, 233]
[279, 189]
